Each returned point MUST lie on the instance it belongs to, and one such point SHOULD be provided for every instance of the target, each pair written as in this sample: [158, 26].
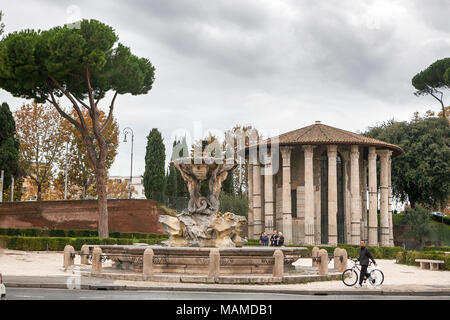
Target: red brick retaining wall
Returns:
[124, 215]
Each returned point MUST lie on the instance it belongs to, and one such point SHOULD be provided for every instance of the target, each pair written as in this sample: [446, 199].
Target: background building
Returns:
[137, 183]
[322, 187]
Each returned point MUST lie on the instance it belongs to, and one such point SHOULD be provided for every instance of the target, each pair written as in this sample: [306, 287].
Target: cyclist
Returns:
[364, 256]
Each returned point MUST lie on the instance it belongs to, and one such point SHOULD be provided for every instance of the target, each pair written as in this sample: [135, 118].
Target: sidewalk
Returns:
[43, 270]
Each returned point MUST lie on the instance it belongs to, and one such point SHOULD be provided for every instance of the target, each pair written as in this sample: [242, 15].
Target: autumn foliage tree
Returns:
[119, 190]
[82, 66]
[80, 169]
[41, 135]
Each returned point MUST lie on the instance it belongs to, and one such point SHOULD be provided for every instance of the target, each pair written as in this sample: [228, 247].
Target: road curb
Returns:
[445, 292]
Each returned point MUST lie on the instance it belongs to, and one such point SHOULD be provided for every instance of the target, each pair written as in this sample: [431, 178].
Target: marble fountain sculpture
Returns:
[201, 224]
[200, 230]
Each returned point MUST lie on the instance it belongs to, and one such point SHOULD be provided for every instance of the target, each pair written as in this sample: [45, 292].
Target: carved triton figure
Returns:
[194, 173]
[201, 224]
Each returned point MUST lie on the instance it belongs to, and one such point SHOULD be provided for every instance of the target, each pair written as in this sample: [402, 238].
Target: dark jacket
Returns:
[280, 241]
[364, 256]
[273, 240]
[265, 241]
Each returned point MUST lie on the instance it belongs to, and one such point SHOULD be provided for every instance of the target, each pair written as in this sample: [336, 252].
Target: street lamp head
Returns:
[126, 131]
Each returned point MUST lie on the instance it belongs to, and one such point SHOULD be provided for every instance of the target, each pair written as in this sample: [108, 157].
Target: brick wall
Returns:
[124, 215]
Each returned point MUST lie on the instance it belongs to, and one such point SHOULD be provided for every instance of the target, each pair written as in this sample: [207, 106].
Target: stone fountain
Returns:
[198, 230]
[201, 224]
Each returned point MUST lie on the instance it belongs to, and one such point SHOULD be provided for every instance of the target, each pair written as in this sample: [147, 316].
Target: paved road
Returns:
[64, 294]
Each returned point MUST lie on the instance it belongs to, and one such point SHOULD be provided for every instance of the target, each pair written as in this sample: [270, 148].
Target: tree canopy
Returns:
[80, 169]
[2, 25]
[433, 80]
[9, 145]
[43, 64]
[82, 64]
[421, 174]
[41, 135]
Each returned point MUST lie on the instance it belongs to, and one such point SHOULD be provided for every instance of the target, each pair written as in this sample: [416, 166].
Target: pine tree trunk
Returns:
[103, 231]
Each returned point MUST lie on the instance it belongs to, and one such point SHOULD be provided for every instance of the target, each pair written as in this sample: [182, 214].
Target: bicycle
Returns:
[350, 277]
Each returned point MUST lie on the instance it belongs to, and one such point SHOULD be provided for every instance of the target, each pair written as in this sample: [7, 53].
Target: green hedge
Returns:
[77, 234]
[352, 250]
[252, 242]
[445, 219]
[443, 248]
[136, 235]
[409, 258]
[399, 219]
[58, 243]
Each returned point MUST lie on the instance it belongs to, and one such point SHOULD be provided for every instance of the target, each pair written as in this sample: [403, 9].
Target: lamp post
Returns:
[66, 171]
[126, 131]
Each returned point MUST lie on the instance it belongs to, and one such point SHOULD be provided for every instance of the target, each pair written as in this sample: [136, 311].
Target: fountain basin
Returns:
[195, 261]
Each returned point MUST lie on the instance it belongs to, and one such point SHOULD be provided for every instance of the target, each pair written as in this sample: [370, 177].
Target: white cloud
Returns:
[273, 64]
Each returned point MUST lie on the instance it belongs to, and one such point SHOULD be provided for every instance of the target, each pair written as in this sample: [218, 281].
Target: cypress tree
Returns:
[9, 146]
[180, 150]
[154, 175]
[171, 181]
[227, 185]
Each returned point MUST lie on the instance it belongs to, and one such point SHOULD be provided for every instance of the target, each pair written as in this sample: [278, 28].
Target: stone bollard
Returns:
[323, 265]
[344, 260]
[214, 265]
[85, 254]
[278, 267]
[337, 259]
[315, 254]
[69, 256]
[96, 261]
[147, 264]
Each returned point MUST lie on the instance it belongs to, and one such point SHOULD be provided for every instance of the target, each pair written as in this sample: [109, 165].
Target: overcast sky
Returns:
[278, 65]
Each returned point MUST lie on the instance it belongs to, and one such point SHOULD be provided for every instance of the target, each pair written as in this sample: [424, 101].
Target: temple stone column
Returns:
[373, 198]
[268, 197]
[391, 226]
[384, 198]
[332, 195]
[309, 195]
[286, 194]
[356, 196]
[257, 212]
[364, 222]
[347, 196]
[250, 231]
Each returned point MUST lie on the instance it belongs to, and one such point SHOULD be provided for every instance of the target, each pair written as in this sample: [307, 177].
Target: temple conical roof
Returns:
[319, 133]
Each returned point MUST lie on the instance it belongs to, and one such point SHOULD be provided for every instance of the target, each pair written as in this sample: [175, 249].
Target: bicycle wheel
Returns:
[349, 277]
[378, 277]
